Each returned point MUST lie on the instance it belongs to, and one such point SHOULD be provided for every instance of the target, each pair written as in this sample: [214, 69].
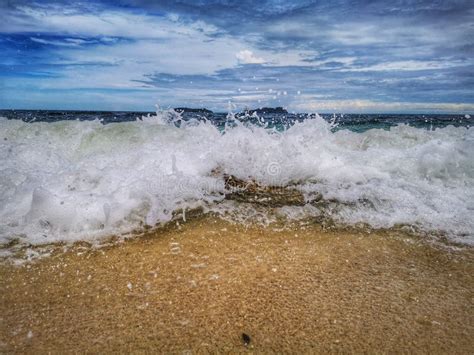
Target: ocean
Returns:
[69, 176]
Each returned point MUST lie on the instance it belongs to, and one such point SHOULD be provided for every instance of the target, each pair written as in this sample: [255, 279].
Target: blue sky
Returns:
[309, 56]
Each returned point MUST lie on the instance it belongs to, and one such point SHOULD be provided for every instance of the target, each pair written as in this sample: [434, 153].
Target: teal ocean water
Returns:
[68, 175]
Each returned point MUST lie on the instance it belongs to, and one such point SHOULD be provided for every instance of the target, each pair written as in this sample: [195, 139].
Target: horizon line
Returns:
[289, 112]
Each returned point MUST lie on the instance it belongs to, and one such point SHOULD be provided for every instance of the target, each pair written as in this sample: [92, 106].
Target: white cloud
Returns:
[247, 57]
[130, 61]
[250, 98]
[66, 42]
[279, 58]
[349, 106]
[157, 44]
[51, 19]
[408, 65]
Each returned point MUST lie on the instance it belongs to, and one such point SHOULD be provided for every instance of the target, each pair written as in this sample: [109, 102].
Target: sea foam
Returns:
[71, 180]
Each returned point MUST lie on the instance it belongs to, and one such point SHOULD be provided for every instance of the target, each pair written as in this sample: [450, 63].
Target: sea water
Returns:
[67, 176]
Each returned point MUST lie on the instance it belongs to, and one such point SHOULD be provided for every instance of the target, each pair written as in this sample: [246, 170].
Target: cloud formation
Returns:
[349, 56]
[247, 57]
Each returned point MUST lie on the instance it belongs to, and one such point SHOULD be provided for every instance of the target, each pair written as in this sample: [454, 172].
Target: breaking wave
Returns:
[82, 180]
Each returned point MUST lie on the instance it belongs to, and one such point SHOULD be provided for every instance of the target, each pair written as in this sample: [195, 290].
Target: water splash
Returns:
[82, 180]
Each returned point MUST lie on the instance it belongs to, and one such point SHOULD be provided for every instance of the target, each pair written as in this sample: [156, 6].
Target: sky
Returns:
[339, 56]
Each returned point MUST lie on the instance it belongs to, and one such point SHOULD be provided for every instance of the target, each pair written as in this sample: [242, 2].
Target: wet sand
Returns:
[200, 286]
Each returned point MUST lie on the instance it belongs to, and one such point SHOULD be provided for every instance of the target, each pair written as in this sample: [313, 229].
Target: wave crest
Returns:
[69, 180]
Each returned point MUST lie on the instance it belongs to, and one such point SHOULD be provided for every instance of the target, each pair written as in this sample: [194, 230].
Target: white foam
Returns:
[68, 181]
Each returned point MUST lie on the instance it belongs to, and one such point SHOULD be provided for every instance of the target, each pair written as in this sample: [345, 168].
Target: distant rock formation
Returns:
[193, 110]
[264, 110]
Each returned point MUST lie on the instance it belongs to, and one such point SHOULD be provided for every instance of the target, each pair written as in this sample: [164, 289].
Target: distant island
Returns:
[263, 110]
[259, 111]
[193, 110]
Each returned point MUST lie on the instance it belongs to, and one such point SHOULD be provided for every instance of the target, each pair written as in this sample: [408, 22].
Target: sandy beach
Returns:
[227, 177]
[199, 286]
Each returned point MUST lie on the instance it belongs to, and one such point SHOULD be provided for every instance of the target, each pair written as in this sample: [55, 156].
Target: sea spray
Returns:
[83, 180]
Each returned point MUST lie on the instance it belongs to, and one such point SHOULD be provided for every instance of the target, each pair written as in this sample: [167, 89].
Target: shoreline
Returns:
[201, 285]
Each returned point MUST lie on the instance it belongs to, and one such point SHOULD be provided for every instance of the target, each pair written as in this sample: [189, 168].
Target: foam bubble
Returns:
[70, 180]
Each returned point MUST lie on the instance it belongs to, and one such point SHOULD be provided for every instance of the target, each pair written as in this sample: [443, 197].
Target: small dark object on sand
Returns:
[246, 339]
